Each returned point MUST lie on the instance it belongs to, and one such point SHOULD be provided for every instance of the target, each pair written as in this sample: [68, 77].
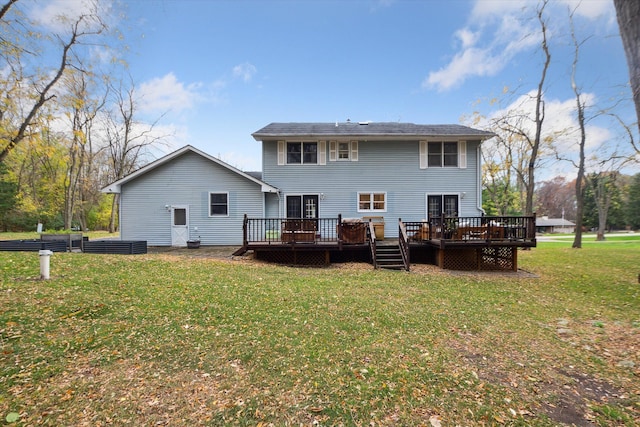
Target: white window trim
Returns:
[209, 204]
[372, 193]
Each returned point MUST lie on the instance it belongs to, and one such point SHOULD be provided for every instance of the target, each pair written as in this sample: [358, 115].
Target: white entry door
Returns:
[179, 225]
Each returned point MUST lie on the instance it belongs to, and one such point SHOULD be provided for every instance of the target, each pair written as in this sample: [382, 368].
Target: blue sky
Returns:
[220, 70]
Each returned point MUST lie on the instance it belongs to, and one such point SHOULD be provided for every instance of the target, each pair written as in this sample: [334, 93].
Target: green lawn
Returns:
[169, 339]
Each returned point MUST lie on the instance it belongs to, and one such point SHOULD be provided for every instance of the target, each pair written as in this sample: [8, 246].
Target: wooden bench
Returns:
[298, 231]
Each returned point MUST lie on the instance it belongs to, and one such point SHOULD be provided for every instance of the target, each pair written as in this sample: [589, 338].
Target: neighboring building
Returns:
[554, 225]
[188, 195]
[384, 170]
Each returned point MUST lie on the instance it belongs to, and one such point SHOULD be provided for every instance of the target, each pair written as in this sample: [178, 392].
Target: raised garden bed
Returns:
[33, 245]
[72, 240]
[124, 247]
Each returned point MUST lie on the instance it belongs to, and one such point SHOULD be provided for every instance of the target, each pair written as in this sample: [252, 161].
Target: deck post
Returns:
[245, 221]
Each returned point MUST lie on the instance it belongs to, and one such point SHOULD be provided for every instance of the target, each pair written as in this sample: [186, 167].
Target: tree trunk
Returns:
[539, 115]
[115, 207]
[628, 12]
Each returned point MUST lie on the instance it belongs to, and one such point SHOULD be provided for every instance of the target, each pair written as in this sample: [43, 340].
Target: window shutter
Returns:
[281, 153]
[333, 151]
[462, 154]
[322, 152]
[423, 155]
[354, 151]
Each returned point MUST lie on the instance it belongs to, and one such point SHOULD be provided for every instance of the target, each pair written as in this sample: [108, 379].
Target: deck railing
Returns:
[490, 229]
[371, 236]
[403, 243]
[291, 230]
[470, 229]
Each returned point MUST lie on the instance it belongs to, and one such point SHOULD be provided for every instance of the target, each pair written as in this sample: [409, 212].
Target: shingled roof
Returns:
[368, 130]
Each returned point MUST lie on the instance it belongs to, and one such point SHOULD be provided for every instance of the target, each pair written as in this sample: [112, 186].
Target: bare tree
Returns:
[628, 12]
[520, 140]
[128, 141]
[539, 112]
[14, 122]
[580, 110]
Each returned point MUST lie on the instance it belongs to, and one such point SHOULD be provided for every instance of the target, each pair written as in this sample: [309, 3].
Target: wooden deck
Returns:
[466, 243]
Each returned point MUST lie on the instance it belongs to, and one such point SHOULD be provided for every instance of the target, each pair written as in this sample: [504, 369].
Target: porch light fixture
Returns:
[321, 196]
[463, 195]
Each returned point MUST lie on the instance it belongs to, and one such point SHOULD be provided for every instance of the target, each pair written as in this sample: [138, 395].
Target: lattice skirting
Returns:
[294, 257]
[485, 258]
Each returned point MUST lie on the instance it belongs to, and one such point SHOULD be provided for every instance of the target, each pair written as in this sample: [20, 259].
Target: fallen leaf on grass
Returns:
[435, 421]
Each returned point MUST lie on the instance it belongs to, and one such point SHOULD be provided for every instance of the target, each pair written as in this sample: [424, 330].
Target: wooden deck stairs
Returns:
[388, 256]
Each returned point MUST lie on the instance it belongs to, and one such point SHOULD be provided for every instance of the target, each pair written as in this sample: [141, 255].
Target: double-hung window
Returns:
[218, 204]
[372, 202]
[344, 150]
[443, 154]
[302, 153]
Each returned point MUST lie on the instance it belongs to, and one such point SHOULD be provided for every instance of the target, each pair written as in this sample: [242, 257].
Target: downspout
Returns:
[479, 179]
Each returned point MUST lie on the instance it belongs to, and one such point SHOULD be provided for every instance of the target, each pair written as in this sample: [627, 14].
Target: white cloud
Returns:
[467, 37]
[498, 31]
[591, 9]
[471, 61]
[483, 9]
[56, 14]
[481, 52]
[168, 94]
[245, 71]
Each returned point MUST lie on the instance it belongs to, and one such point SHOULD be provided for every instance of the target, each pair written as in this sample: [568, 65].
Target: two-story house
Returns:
[320, 184]
[384, 170]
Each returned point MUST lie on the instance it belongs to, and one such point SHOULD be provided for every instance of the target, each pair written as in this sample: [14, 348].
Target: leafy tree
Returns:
[8, 196]
[602, 202]
[633, 203]
[26, 88]
[556, 198]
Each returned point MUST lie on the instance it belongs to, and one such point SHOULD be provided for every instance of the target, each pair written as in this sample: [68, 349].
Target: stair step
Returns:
[389, 257]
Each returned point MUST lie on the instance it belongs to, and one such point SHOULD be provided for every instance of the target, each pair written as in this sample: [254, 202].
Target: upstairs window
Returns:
[442, 154]
[344, 150]
[302, 153]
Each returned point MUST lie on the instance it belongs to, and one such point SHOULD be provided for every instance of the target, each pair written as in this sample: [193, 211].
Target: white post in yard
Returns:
[45, 256]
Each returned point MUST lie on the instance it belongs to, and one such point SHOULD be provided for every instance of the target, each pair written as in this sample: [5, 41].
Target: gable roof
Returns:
[115, 187]
[368, 130]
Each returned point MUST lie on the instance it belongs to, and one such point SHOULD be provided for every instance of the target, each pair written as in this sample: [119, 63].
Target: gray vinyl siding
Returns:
[187, 180]
[392, 167]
